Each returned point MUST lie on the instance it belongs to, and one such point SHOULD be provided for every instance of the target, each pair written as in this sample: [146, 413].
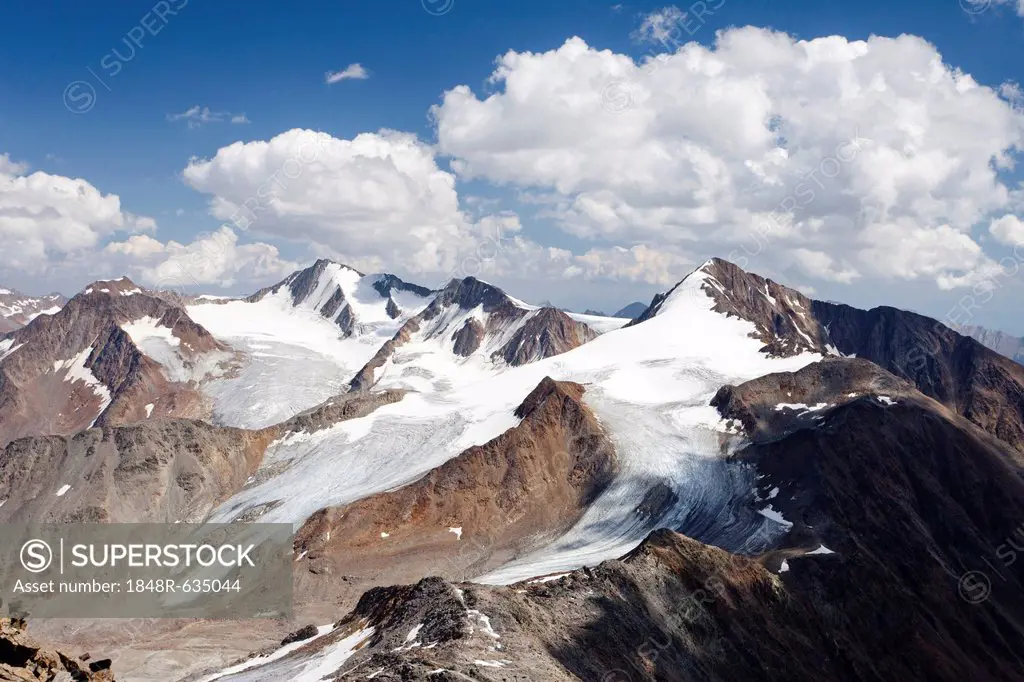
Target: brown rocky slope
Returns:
[479, 509]
[159, 470]
[24, 660]
[62, 373]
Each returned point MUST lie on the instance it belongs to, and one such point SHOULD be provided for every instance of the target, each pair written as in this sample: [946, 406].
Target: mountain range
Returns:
[736, 482]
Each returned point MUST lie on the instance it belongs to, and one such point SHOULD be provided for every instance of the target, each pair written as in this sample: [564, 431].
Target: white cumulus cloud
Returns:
[45, 218]
[350, 72]
[1008, 230]
[817, 155]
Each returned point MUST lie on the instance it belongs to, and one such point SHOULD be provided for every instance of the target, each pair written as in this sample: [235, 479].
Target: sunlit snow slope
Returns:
[302, 340]
[649, 384]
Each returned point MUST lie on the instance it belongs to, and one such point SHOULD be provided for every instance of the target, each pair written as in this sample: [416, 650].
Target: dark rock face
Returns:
[468, 338]
[956, 370]
[24, 660]
[36, 398]
[549, 332]
[386, 284]
[535, 334]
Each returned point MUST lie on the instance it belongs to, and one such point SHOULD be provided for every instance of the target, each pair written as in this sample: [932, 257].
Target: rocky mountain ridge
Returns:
[95, 362]
[1001, 342]
[18, 309]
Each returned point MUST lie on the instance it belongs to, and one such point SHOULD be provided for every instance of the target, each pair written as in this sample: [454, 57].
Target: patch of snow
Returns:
[492, 664]
[784, 567]
[456, 531]
[767, 294]
[263, 668]
[547, 578]
[822, 550]
[385, 535]
[775, 516]
[810, 343]
[485, 624]
[886, 400]
[63, 490]
[149, 410]
[77, 371]
[599, 324]
[801, 406]
[49, 311]
[303, 358]
[7, 347]
[772, 494]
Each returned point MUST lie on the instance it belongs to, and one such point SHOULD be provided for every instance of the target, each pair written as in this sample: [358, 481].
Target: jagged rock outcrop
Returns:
[80, 366]
[24, 660]
[775, 405]
[507, 496]
[337, 409]
[470, 317]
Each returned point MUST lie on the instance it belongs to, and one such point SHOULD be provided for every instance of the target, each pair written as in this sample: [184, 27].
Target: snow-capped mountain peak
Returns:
[121, 286]
[470, 324]
[18, 309]
[346, 296]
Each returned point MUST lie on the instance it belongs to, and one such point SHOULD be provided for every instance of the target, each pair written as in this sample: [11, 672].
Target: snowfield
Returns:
[295, 357]
[649, 385]
[302, 667]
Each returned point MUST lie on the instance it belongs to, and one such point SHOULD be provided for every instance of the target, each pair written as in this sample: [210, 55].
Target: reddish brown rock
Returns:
[528, 484]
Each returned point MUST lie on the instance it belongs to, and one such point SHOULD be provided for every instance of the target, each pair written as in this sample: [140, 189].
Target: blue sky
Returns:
[267, 61]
